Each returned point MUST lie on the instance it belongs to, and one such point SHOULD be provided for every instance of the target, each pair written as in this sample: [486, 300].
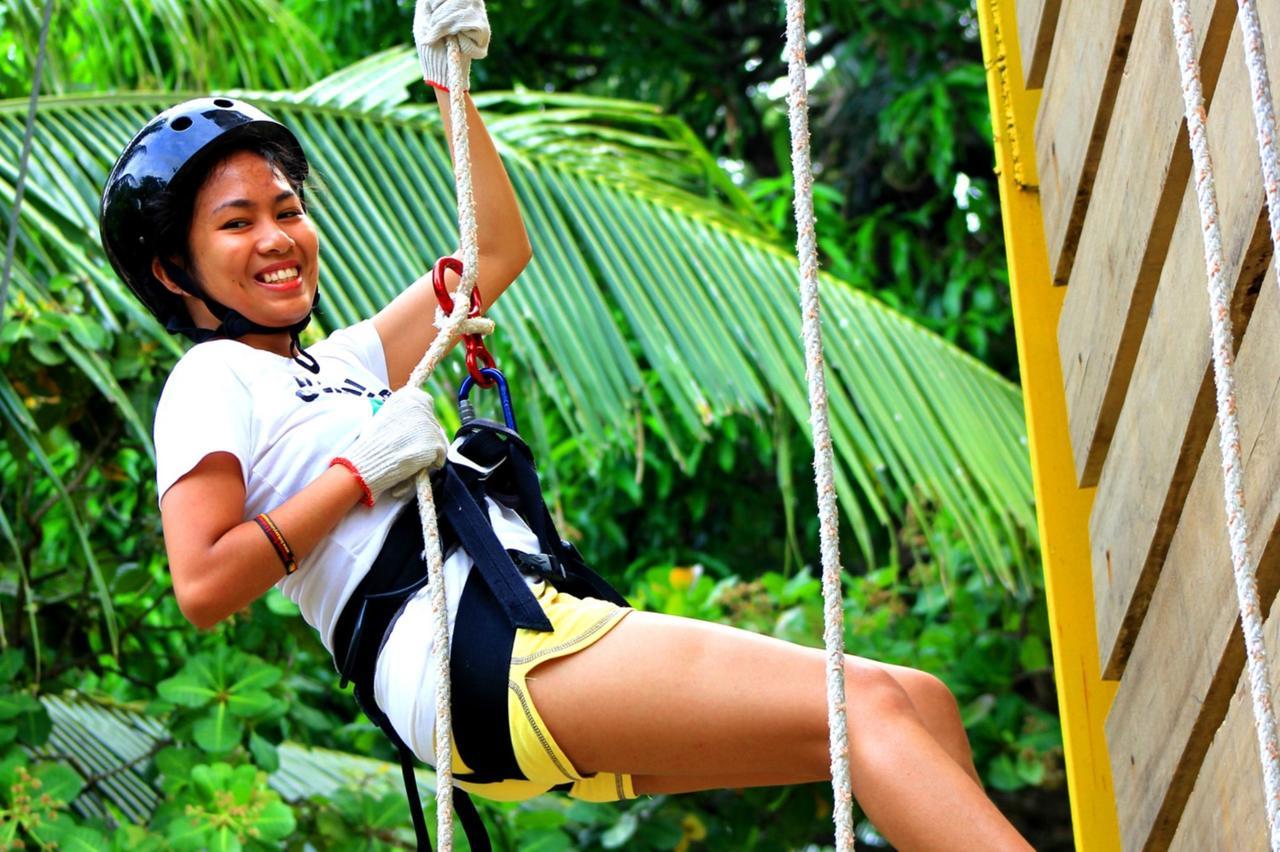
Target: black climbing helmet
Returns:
[164, 160]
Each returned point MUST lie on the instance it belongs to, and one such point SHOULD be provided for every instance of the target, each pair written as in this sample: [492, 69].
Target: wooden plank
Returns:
[1228, 809]
[1189, 655]
[1168, 412]
[1141, 177]
[1089, 51]
[1037, 20]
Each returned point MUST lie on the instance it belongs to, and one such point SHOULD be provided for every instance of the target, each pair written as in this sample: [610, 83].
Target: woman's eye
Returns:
[292, 213]
[235, 223]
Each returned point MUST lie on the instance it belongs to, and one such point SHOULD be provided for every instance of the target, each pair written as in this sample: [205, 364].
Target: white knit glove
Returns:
[436, 20]
[401, 440]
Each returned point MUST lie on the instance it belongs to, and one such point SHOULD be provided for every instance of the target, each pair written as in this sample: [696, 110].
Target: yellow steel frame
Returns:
[1063, 508]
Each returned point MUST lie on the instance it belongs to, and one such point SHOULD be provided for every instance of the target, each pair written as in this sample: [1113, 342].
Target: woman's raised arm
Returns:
[406, 325]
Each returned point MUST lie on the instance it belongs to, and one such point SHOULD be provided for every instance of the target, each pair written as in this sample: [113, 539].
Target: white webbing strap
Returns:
[1242, 563]
[823, 461]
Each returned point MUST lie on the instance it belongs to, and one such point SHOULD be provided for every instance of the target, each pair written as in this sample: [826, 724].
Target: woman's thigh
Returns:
[663, 695]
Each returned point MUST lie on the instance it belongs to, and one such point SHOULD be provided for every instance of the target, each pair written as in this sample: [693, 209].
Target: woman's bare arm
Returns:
[219, 563]
[405, 326]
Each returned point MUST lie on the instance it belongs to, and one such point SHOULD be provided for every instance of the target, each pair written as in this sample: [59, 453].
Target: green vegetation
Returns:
[649, 152]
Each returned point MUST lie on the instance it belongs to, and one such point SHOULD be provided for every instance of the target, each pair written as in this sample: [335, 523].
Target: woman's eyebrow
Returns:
[245, 202]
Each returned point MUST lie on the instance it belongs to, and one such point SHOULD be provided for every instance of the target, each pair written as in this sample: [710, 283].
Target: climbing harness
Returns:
[24, 159]
[1243, 566]
[495, 601]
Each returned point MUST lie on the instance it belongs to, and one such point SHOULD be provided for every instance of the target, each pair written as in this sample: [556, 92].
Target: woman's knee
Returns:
[875, 693]
[930, 694]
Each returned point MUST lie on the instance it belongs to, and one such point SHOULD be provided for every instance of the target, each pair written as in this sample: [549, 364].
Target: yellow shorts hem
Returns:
[578, 623]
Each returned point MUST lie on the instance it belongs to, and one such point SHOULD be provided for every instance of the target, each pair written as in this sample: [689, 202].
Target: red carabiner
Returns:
[476, 352]
[443, 296]
[478, 357]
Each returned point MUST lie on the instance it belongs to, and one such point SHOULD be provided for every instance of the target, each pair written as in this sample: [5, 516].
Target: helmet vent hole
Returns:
[223, 102]
[181, 123]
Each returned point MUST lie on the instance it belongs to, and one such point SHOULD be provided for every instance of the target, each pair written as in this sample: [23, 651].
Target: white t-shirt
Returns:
[284, 424]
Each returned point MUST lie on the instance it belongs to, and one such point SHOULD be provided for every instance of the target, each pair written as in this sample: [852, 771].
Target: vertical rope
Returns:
[1264, 114]
[24, 158]
[823, 463]
[449, 332]
[1228, 425]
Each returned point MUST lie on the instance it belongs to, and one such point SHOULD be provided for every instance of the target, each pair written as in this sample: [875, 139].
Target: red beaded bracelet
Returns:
[367, 499]
[277, 541]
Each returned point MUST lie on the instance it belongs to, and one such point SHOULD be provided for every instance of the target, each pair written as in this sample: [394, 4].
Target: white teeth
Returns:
[281, 275]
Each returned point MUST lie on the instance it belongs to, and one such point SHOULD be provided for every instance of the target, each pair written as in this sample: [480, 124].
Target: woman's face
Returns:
[253, 246]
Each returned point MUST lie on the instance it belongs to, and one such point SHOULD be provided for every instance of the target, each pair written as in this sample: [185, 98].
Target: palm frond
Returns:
[637, 246]
[164, 44]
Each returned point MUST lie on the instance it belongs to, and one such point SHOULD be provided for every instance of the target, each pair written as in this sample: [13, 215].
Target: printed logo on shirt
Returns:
[309, 390]
[377, 401]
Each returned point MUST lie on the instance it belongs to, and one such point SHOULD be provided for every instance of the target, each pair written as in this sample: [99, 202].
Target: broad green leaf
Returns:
[187, 688]
[218, 732]
[58, 781]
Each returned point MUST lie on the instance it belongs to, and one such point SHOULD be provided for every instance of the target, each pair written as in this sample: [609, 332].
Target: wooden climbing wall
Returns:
[1122, 236]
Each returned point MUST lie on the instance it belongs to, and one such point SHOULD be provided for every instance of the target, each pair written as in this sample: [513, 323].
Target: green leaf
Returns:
[33, 725]
[541, 840]
[187, 689]
[249, 704]
[13, 704]
[58, 781]
[1003, 774]
[265, 755]
[276, 821]
[218, 732]
[1032, 655]
[10, 665]
[259, 676]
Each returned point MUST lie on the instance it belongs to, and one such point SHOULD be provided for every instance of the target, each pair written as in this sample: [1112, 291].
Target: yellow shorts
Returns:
[578, 623]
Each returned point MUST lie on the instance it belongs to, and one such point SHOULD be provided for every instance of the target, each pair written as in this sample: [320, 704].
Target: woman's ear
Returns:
[162, 275]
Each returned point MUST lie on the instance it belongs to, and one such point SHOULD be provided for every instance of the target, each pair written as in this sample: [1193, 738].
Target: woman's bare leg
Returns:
[684, 704]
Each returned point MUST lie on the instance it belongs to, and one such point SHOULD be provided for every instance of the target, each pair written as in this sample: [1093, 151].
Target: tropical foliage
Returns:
[653, 344]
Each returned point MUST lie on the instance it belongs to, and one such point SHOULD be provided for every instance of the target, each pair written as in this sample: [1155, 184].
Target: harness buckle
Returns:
[539, 565]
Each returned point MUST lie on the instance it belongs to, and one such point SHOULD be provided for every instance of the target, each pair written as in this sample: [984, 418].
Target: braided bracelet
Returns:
[277, 541]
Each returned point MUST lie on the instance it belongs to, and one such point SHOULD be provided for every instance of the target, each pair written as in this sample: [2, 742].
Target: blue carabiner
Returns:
[467, 412]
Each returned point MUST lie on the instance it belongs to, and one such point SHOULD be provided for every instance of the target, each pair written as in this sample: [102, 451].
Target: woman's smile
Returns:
[281, 276]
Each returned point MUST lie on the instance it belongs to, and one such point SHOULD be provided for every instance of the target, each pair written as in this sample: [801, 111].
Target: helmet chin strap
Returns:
[232, 324]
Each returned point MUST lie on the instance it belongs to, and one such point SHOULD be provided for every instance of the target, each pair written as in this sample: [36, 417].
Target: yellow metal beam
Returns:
[1063, 509]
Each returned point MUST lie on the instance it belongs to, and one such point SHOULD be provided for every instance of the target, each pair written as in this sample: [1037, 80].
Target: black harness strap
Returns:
[495, 601]
[471, 525]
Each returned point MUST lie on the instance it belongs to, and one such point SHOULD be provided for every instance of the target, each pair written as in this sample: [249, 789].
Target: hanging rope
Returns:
[1264, 114]
[457, 324]
[450, 328]
[1228, 424]
[23, 159]
[823, 462]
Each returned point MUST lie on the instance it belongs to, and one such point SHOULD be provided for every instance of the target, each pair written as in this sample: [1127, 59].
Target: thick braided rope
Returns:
[823, 463]
[1264, 114]
[24, 158]
[1228, 424]
[455, 325]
